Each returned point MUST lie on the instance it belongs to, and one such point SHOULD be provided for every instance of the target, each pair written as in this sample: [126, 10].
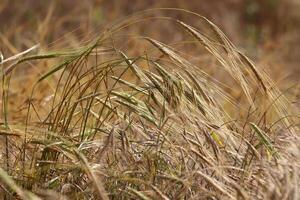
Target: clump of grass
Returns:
[153, 125]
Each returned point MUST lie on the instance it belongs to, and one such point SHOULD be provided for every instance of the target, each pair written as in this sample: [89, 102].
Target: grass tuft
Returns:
[151, 124]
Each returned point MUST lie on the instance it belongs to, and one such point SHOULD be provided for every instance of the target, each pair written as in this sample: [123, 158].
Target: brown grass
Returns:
[109, 123]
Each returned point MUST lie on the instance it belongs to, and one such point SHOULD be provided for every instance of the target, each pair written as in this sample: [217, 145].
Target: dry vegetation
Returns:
[128, 114]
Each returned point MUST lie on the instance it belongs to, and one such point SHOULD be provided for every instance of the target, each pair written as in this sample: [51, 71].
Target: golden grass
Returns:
[150, 126]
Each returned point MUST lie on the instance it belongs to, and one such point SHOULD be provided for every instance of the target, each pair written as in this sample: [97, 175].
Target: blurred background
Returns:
[266, 30]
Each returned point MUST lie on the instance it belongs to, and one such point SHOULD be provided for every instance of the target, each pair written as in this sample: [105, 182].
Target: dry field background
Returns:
[129, 99]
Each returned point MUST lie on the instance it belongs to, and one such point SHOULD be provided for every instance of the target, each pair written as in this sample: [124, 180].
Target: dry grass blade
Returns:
[215, 184]
[159, 193]
[99, 186]
[9, 133]
[138, 194]
[19, 54]
[23, 194]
